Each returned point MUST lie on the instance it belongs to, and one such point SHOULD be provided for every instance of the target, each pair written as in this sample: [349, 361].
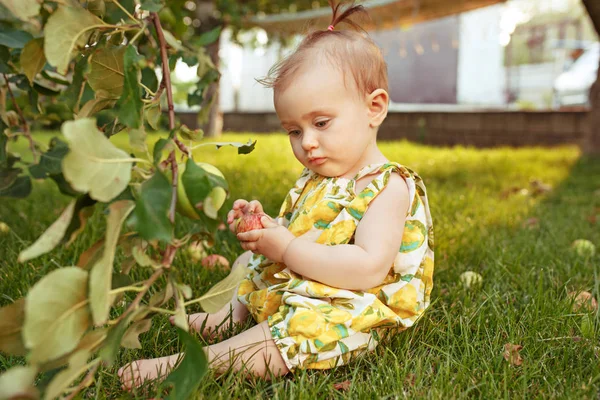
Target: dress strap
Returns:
[358, 206]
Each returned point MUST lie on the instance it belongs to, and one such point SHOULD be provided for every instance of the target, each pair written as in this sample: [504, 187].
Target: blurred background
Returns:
[480, 72]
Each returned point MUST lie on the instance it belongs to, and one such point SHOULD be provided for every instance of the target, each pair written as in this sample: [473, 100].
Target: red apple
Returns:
[215, 260]
[249, 222]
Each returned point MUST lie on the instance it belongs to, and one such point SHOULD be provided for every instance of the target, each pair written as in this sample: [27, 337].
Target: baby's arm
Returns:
[365, 263]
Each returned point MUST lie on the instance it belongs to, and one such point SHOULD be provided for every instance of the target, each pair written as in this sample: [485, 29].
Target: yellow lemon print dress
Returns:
[316, 326]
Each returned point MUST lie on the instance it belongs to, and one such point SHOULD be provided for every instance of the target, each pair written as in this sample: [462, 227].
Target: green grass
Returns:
[456, 349]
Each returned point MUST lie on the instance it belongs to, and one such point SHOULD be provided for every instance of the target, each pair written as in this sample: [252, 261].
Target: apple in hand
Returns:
[249, 222]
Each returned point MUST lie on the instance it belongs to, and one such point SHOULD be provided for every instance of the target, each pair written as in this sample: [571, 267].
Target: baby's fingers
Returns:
[250, 236]
[239, 204]
[254, 207]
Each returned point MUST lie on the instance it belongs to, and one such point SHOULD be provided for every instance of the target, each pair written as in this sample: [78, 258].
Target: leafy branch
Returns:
[102, 74]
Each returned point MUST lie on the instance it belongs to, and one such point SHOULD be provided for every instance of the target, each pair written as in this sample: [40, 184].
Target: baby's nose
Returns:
[309, 141]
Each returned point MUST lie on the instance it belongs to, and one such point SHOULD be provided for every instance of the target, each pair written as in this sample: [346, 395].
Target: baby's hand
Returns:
[241, 207]
[271, 241]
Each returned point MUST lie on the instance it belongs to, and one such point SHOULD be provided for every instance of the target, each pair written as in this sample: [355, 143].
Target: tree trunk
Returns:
[206, 12]
[591, 139]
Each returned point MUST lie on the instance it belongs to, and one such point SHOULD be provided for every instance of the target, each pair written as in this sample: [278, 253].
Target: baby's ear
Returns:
[377, 103]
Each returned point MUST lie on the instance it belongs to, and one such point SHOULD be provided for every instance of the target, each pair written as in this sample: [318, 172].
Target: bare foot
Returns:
[211, 325]
[137, 372]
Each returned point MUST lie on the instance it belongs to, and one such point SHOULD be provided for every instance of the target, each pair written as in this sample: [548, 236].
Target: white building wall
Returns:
[480, 79]
[481, 58]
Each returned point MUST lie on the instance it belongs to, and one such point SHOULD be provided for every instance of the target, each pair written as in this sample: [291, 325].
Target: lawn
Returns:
[491, 215]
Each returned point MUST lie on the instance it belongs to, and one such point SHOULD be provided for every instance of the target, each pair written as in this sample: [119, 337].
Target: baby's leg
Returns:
[253, 350]
[232, 312]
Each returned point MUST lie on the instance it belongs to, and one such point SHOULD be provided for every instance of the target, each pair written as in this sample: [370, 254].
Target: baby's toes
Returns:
[129, 375]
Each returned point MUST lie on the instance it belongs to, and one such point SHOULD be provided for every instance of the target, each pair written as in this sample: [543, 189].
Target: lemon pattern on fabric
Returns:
[316, 326]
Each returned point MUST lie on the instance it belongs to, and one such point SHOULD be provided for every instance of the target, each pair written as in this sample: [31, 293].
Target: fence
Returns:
[479, 129]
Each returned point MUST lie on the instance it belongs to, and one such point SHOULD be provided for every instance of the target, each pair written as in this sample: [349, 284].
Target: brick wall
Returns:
[479, 129]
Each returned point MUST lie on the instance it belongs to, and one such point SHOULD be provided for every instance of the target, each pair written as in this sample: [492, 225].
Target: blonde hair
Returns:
[350, 50]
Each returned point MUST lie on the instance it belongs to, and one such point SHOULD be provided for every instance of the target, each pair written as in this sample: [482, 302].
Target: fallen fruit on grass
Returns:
[511, 354]
[249, 222]
[583, 301]
[470, 278]
[215, 260]
[583, 248]
[4, 228]
[197, 250]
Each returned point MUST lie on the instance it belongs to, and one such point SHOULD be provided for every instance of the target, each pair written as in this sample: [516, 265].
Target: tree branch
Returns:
[174, 182]
[166, 83]
[136, 302]
[165, 68]
[25, 126]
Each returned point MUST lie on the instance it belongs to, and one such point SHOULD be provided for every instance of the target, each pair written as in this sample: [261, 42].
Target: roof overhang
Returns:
[384, 14]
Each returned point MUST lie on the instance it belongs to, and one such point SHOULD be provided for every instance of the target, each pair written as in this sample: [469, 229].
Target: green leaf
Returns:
[18, 383]
[137, 138]
[101, 272]
[56, 314]
[160, 298]
[11, 324]
[172, 41]
[51, 161]
[150, 215]
[51, 237]
[97, 7]
[73, 91]
[208, 37]
[130, 103]
[65, 378]
[149, 78]
[188, 134]
[91, 164]
[153, 114]
[115, 335]
[5, 67]
[14, 39]
[46, 91]
[158, 149]
[106, 71]
[242, 148]
[67, 30]
[20, 188]
[64, 186]
[3, 143]
[83, 210]
[23, 9]
[130, 339]
[196, 182]
[142, 259]
[54, 77]
[8, 176]
[218, 296]
[91, 341]
[94, 106]
[185, 379]
[152, 5]
[33, 58]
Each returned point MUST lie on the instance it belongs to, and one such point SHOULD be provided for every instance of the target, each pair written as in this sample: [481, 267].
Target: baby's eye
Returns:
[322, 124]
[295, 132]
